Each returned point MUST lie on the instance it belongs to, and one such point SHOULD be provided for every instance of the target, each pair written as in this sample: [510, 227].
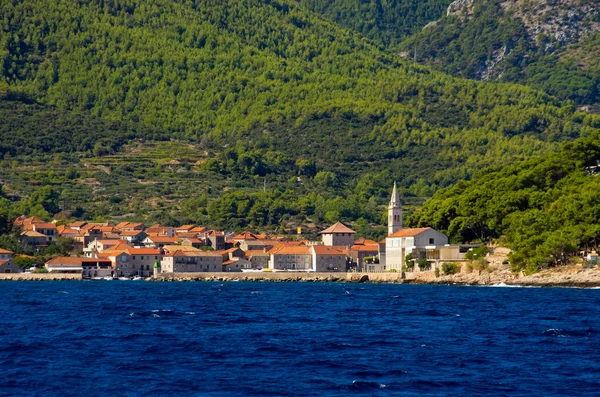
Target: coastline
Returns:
[567, 276]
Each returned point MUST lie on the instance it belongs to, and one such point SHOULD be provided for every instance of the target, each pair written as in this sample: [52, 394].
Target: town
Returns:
[132, 250]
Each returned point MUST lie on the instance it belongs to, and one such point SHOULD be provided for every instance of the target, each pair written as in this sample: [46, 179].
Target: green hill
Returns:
[548, 45]
[387, 22]
[548, 208]
[261, 90]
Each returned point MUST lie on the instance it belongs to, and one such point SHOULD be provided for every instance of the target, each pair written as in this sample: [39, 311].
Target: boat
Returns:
[124, 278]
[108, 278]
[137, 278]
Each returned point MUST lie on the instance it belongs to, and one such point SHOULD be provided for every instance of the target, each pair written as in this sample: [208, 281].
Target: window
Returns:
[156, 257]
[133, 257]
[431, 241]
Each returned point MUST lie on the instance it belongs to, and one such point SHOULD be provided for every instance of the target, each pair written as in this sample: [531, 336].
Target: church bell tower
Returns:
[394, 212]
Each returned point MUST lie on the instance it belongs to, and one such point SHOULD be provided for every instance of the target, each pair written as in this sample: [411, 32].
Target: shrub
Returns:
[424, 264]
[450, 268]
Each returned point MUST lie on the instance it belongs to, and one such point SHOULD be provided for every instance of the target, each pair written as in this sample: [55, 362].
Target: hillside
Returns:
[387, 22]
[547, 44]
[248, 92]
[548, 208]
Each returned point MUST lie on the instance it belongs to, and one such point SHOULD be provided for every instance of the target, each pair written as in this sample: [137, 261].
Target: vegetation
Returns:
[493, 41]
[387, 22]
[547, 207]
[450, 268]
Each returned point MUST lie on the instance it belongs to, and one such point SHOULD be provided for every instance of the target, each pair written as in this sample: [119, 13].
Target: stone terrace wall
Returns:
[38, 276]
[282, 277]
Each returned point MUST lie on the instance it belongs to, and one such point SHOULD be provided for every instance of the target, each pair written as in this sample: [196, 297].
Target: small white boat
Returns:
[137, 278]
[108, 278]
[124, 278]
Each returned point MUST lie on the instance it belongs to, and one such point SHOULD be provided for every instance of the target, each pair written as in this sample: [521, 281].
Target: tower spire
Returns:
[394, 212]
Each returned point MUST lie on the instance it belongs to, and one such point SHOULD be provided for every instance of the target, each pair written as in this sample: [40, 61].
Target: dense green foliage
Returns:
[387, 21]
[548, 208]
[35, 129]
[491, 42]
[450, 268]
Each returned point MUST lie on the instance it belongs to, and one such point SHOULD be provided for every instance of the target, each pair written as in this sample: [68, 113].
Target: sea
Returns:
[135, 338]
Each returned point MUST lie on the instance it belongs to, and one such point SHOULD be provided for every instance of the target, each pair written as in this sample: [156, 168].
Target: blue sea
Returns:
[128, 338]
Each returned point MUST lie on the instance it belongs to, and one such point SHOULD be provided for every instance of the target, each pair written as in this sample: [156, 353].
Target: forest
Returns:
[546, 208]
[493, 42]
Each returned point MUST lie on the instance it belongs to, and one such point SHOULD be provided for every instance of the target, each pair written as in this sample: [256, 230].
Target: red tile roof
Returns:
[409, 232]
[3, 251]
[325, 250]
[338, 227]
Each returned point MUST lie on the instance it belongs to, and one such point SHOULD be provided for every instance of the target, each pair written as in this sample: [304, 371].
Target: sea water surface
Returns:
[127, 338]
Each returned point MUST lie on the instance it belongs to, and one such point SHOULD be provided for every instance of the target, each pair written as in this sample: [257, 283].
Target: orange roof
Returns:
[198, 229]
[186, 227]
[122, 225]
[325, 250]
[245, 236]
[3, 251]
[33, 219]
[364, 241]
[2, 262]
[32, 233]
[131, 233]
[143, 251]
[370, 247]
[44, 225]
[162, 239]
[64, 260]
[409, 232]
[339, 227]
[78, 224]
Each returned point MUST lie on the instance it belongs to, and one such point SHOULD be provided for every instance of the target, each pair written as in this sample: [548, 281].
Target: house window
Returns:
[142, 257]
[431, 241]
[133, 257]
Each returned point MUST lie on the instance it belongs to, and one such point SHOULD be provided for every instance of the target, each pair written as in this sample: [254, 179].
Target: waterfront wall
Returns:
[283, 277]
[38, 276]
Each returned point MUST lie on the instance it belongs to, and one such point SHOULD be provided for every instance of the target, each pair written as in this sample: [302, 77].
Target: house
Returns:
[6, 254]
[338, 234]
[129, 226]
[67, 232]
[77, 225]
[34, 239]
[184, 229]
[236, 265]
[158, 230]
[286, 257]
[188, 261]
[97, 246]
[129, 261]
[191, 241]
[259, 259]
[231, 253]
[358, 252]
[22, 220]
[133, 236]
[45, 228]
[411, 241]
[216, 239]
[327, 259]
[88, 267]
[158, 241]
[8, 266]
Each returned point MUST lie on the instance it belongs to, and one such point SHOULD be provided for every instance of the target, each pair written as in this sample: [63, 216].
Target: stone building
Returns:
[338, 235]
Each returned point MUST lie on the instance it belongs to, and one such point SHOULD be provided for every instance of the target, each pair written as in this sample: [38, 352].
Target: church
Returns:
[422, 243]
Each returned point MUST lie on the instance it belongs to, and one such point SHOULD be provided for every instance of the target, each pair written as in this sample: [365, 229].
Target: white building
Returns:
[407, 241]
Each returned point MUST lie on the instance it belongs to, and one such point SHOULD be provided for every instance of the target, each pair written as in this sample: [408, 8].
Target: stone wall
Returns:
[282, 277]
[38, 276]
